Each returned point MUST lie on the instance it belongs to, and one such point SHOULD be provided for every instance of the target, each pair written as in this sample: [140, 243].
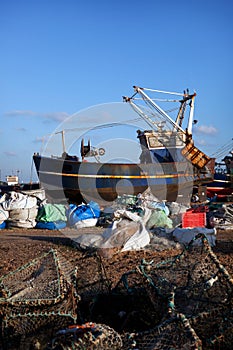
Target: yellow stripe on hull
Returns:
[118, 176]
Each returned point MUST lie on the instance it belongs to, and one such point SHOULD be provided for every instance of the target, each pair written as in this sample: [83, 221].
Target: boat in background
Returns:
[169, 163]
[222, 184]
[12, 184]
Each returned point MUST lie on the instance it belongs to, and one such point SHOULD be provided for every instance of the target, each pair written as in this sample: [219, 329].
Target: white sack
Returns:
[23, 214]
[118, 236]
[139, 240]
[129, 233]
[16, 200]
[113, 237]
[38, 193]
[122, 213]
[86, 223]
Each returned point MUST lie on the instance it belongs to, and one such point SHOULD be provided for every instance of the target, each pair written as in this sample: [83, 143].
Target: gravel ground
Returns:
[19, 246]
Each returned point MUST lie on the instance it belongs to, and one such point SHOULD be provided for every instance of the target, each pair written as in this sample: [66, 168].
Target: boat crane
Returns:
[192, 153]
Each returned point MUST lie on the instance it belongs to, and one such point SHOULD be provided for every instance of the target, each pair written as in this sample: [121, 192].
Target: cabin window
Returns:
[153, 142]
[165, 140]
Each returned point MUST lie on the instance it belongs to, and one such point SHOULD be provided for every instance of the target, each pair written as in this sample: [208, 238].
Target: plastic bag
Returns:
[52, 213]
[159, 219]
[82, 212]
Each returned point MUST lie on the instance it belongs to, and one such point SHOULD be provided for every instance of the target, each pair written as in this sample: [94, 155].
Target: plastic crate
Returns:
[190, 220]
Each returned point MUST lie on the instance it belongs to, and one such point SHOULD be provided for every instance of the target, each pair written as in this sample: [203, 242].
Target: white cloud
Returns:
[10, 154]
[20, 113]
[56, 116]
[21, 129]
[207, 130]
[50, 116]
[201, 142]
[38, 140]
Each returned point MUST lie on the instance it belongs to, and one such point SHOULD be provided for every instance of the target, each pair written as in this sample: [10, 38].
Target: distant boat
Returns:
[222, 184]
[12, 184]
[169, 162]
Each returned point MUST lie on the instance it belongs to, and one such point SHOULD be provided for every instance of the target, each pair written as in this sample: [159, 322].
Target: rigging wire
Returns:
[155, 99]
[164, 92]
[160, 112]
[103, 126]
[227, 145]
[151, 112]
[110, 125]
[221, 151]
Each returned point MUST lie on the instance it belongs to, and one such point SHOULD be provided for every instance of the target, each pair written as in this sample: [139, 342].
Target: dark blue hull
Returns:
[75, 181]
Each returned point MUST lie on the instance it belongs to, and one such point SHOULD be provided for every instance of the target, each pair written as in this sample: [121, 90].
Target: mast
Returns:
[62, 132]
[63, 140]
[183, 104]
[191, 113]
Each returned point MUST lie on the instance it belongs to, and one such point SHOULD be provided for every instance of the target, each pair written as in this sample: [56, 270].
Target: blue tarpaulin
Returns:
[82, 212]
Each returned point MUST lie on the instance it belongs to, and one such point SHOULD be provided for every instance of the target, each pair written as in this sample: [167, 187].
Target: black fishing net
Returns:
[86, 336]
[193, 284]
[38, 294]
[184, 302]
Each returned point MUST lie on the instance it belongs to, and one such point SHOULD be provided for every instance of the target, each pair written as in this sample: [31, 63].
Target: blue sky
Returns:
[62, 56]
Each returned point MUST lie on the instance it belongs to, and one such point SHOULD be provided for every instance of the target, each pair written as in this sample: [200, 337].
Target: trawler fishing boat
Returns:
[169, 163]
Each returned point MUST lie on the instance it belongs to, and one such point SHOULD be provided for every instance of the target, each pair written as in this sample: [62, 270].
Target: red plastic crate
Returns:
[190, 220]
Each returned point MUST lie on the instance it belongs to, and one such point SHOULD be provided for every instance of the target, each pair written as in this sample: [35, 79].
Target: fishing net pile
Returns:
[40, 293]
[191, 295]
[184, 302]
[87, 336]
